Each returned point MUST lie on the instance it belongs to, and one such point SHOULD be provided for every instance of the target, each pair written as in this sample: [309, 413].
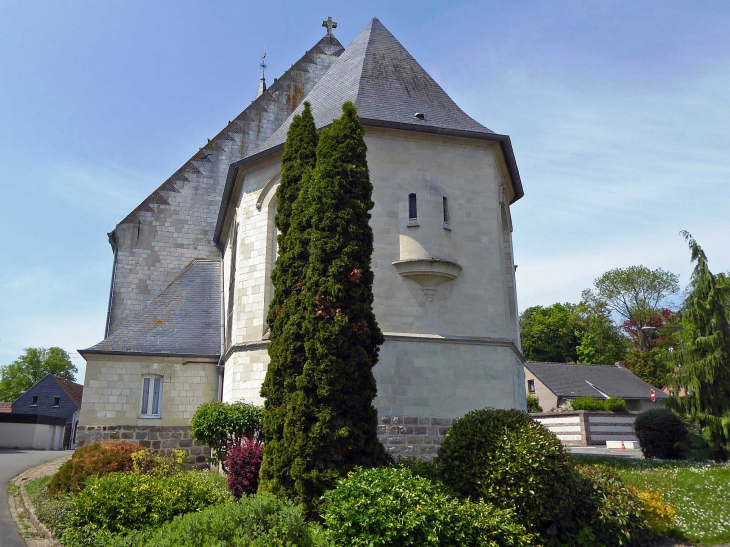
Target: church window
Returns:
[412, 207]
[34, 401]
[531, 386]
[151, 396]
[447, 219]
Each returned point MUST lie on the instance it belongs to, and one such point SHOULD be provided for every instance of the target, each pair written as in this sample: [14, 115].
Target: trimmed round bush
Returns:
[91, 460]
[392, 506]
[660, 432]
[218, 424]
[506, 458]
[610, 514]
[243, 464]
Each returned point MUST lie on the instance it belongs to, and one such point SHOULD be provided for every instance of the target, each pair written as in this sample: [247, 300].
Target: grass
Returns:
[701, 492]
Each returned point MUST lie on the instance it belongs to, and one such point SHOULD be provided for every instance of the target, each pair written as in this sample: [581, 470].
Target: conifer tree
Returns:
[285, 315]
[331, 421]
[705, 365]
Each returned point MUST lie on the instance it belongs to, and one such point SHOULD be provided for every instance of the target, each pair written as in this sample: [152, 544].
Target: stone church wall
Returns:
[111, 404]
[444, 356]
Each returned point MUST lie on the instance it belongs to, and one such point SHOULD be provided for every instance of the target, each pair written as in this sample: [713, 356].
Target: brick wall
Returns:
[412, 436]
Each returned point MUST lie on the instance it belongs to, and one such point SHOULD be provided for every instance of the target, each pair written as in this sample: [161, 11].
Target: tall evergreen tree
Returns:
[285, 315]
[705, 365]
[331, 424]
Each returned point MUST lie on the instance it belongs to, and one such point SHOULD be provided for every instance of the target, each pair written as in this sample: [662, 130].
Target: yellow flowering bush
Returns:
[659, 515]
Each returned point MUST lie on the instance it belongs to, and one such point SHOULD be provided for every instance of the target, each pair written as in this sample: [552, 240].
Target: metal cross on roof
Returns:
[330, 24]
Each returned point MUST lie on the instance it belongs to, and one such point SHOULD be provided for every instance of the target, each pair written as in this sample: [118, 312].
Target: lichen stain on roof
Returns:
[184, 319]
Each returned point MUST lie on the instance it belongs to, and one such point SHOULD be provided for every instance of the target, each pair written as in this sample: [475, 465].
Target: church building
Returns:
[191, 280]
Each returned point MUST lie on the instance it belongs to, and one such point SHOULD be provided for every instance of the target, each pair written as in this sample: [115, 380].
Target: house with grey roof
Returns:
[191, 276]
[555, 383]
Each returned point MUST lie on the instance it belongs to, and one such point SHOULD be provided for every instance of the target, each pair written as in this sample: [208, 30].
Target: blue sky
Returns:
[618, 113]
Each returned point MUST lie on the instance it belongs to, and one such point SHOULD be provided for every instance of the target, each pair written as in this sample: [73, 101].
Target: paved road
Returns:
[13, 462]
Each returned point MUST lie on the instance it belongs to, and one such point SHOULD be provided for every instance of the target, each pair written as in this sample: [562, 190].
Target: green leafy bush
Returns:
[533, 404]
[661, 434]
[615, 404]
[609, 512]
[122, 502]
[392, 506]
[90, 460]
[506, 458]
[219, 424]
[260, 521]
[146, 462]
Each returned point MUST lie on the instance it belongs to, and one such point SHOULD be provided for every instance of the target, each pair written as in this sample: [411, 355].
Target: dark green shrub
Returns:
[533, 404]
[122, 502]
[506, 458]
[91, 460]
[609, 512]
[661, 434]
[219, 424]
[391, 506]
[615, 404]
[259, 521]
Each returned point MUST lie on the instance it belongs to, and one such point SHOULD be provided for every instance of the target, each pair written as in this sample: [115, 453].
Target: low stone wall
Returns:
[412, 436]
[589, 428]
[159, 439]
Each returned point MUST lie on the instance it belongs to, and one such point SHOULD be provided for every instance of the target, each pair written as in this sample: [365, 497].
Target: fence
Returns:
[588, 428]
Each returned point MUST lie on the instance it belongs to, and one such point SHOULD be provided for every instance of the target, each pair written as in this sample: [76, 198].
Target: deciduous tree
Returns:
[32, 366]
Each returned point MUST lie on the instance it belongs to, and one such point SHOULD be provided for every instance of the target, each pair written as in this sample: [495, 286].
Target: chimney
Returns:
[62, 376]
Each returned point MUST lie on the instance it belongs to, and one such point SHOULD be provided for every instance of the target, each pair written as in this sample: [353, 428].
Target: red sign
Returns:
[653, 396]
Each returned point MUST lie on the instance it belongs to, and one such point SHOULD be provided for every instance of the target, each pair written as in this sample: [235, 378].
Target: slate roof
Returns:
[185, 319]
[573, 381]
[5, 408]
[73, 390]
[385, 83]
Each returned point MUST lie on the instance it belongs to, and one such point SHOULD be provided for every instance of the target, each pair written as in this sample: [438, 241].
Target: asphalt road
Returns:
[13, 462]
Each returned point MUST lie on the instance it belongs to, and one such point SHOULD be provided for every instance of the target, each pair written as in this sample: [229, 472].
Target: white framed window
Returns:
[151, 402]
[531, 386]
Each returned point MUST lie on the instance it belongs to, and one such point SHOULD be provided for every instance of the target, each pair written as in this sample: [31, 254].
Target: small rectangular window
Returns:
[446, 210]
[34, 401]
[151, 396]
[531, 386]
[56, 401]
[672, 392]
[412, 207]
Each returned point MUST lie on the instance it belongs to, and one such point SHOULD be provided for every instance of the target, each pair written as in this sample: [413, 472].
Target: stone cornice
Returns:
[403, 337]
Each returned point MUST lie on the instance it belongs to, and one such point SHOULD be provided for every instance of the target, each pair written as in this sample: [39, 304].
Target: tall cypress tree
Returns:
[705, 365]
[332, 424]
[285, 315]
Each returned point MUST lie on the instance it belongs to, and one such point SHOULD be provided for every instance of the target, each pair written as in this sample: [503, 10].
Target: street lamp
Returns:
[681, 342]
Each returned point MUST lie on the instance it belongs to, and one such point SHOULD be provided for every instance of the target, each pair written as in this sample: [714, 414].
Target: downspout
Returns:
[113, 242]
[219, 367]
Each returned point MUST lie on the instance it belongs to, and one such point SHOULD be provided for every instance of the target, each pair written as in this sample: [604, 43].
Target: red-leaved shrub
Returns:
[243, 463]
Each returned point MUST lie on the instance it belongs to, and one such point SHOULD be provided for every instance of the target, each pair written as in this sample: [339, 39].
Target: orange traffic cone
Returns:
[623, 447]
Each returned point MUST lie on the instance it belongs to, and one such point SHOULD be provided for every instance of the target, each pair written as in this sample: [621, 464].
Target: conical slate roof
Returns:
[386, 84]
[185, 319]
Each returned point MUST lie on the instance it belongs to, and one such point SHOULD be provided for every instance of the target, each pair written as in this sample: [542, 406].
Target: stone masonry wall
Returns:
[413, 437]
[158, 439]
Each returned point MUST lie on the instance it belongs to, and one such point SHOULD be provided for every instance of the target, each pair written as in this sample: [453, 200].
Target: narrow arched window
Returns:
[412, 207]
[446, 210]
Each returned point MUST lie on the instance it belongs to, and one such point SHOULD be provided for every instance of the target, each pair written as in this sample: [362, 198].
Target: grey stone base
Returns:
[159, 439]
[413, 436]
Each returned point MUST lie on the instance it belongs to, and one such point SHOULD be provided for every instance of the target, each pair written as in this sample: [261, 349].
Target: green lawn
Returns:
[700, 491]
